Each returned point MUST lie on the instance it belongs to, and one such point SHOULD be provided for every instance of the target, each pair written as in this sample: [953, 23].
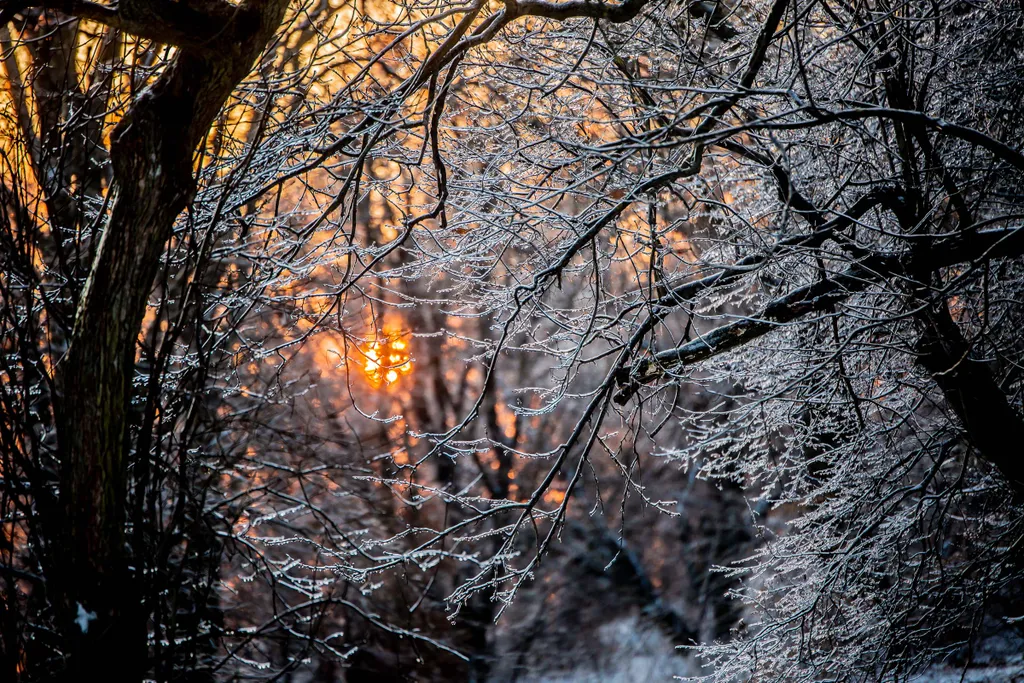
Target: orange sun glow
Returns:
[386, 360]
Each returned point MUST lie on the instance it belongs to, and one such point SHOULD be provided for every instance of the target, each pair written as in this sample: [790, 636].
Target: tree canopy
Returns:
[344, 337]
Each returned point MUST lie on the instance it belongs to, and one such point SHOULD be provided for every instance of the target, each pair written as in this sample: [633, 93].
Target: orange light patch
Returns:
[386, 360]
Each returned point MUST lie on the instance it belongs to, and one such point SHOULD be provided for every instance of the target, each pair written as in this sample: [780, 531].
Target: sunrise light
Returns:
[386, 360]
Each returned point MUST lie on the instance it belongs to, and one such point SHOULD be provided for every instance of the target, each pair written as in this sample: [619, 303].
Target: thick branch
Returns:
[989, 421]
[199, 25]
[823, 295]
[699, 134]
[615, 13]
[717, 16]
[998, 148]
[889, 197]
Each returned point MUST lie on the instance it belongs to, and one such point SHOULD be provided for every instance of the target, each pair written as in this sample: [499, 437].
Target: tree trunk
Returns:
[152, 156]
[991, 424]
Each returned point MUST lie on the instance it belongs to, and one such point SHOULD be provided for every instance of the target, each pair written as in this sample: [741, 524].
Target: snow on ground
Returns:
[630, 652]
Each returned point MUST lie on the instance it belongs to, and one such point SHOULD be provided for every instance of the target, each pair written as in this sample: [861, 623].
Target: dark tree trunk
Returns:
[991, 424]
[152, 157]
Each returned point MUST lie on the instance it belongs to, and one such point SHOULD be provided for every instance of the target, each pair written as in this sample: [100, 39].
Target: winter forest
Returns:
[497, 341]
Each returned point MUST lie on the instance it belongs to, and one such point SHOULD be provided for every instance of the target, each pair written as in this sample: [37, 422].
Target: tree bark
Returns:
[152, 156]
[990, 423]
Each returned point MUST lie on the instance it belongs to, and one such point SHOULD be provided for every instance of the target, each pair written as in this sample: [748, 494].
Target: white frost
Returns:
[84, 618]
